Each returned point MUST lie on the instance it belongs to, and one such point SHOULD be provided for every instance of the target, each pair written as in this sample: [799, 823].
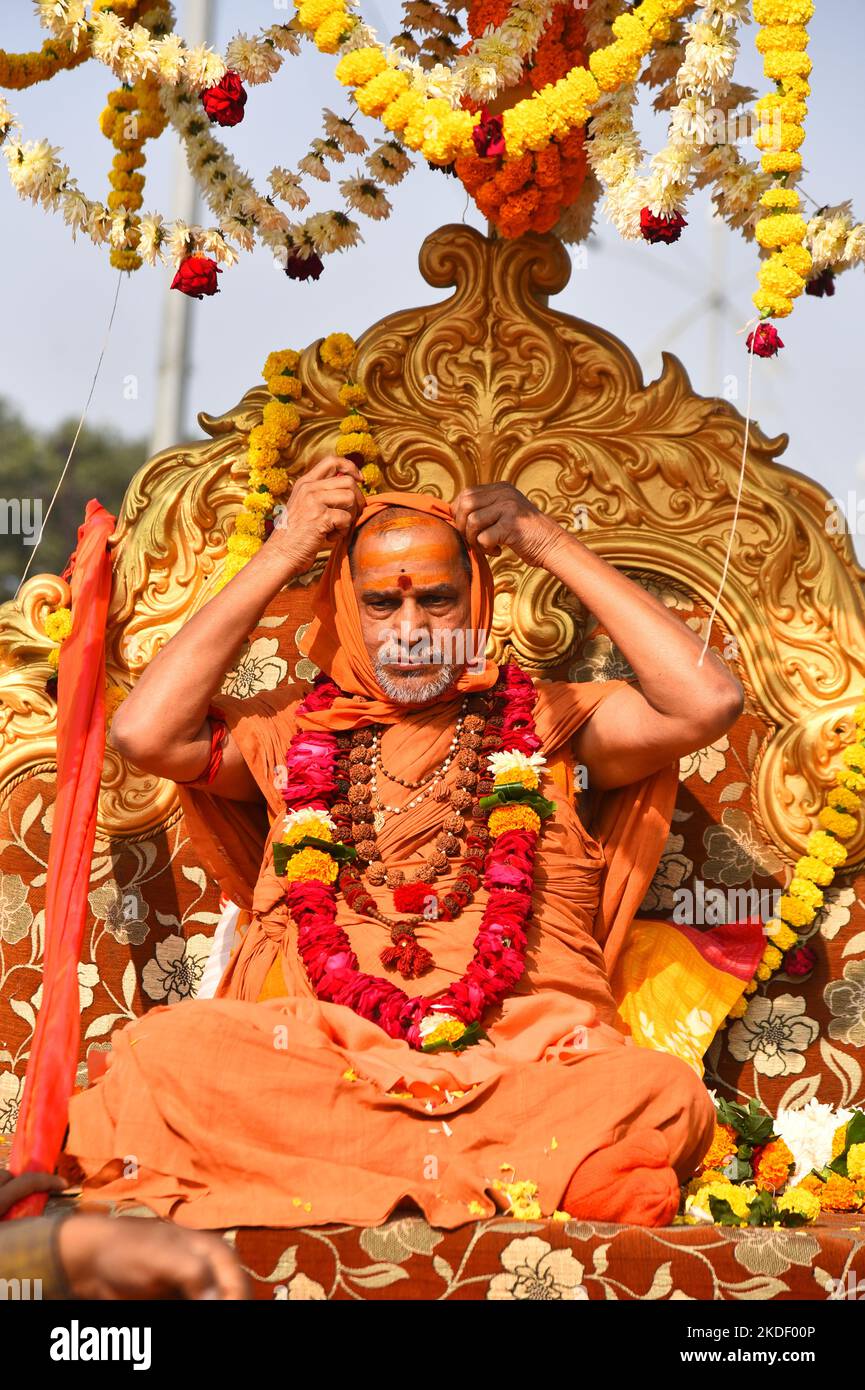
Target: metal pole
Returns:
[169, 423]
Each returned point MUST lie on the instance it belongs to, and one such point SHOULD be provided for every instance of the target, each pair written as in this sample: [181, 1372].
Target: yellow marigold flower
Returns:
[357, 67]
[526, 776]
[281, 362]
[839, 1140]
[702, 1179]
[397, 116]
[275, 480]
[798, 258]
[333, 31]
[786, 198]
[258, 502]
[841, 800]
[58, 624]
[722, 1148]
[357, 444]
[841, 825]
[284, 418]
[764, 972]
[450, 1030]
[249, 524]
[853, 781]
[615, 65]
[420, 124]
[311, 13]
[815, 870]
[372, 476]
[352, 422]
[238, 544]
[337, 351]
[311, 863]
[738, 1010]
[629, 29]
[772, 957]
[780, 229]
[114, 697]
[827, 848]
[780, 65]
[859, 714]
[751, 986]
[516, 816]
[263, 456]
[319, 829]
[783, 11]
[777, 278]
[351, 395]
[781, 161]
[54, 657]
[776, 306]
[856, 1162]
[800, 1201]
[475, 1208]
[787, 135]
[780, 934]
[772, 1166]
[737, 1196]
[795, 911]
[380, 91]
[854, 756]
[785, 37]
[789, 108]
[285, 387]
[807, 891]
[561, 1215]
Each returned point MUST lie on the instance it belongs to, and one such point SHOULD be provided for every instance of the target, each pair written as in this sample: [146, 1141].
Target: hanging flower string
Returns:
[814, 872]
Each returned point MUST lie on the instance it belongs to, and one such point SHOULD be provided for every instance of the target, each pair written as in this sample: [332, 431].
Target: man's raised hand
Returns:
[497, 514]
[321, 508]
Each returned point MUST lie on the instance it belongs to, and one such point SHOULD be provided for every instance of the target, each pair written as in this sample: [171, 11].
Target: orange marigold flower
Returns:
[771, 1165]
[836, 1194]
[722, 1148]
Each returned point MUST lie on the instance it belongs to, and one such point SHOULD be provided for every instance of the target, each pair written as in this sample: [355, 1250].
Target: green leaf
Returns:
[751, 1126]
[282, 853]
[515, 791]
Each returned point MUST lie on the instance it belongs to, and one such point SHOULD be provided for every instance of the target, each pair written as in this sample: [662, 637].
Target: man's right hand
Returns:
[321, 508]
[134, 1257]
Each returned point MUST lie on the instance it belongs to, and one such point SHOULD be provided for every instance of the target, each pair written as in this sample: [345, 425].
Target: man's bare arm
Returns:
[679, 707]
[162, 726]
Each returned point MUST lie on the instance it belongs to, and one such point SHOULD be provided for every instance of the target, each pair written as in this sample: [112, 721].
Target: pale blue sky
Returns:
[56, 296]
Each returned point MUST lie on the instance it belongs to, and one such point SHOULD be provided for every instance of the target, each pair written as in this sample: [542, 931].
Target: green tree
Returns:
[31, 462]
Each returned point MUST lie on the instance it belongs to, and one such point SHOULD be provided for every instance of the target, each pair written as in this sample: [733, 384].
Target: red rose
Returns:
[655, 227]
[489, 136]
[304, 267]
[196, 276]
[225, 101]
[765, 340]
[800, 961]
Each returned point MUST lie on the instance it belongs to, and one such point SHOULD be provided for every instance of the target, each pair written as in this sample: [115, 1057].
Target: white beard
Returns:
[415, 690]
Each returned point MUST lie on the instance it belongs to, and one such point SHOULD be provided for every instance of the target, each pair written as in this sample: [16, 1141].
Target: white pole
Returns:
[169, 421]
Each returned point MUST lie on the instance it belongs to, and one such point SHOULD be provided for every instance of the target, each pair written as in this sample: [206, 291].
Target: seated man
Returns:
[420, 1009]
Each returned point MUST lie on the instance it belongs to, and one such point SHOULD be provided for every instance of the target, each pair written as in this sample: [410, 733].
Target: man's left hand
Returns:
[497, 514]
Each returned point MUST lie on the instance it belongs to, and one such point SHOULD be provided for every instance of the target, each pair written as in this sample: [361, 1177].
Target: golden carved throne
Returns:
[489, 384]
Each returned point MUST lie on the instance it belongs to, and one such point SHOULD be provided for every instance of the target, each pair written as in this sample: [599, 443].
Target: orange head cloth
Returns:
[334, 639]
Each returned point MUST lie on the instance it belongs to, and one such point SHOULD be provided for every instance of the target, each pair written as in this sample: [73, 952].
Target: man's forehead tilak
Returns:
[391, 549]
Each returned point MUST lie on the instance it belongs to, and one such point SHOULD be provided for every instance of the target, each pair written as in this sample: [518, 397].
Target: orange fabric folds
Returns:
[80, 750]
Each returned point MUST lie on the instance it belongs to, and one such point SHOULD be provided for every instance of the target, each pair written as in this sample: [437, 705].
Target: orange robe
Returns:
[267, 1107]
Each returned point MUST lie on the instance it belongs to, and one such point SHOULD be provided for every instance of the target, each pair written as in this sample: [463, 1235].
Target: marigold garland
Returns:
[21, 70]
[782, 41]
[815, 870]
[132, 116]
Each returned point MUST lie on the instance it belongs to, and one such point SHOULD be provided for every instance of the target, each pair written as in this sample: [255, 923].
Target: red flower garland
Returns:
[500, 945]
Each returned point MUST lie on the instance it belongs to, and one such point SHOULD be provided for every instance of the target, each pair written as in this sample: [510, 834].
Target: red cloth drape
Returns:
[80, 751]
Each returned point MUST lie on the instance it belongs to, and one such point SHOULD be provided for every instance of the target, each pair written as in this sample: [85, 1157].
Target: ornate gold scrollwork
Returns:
[491, 384]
